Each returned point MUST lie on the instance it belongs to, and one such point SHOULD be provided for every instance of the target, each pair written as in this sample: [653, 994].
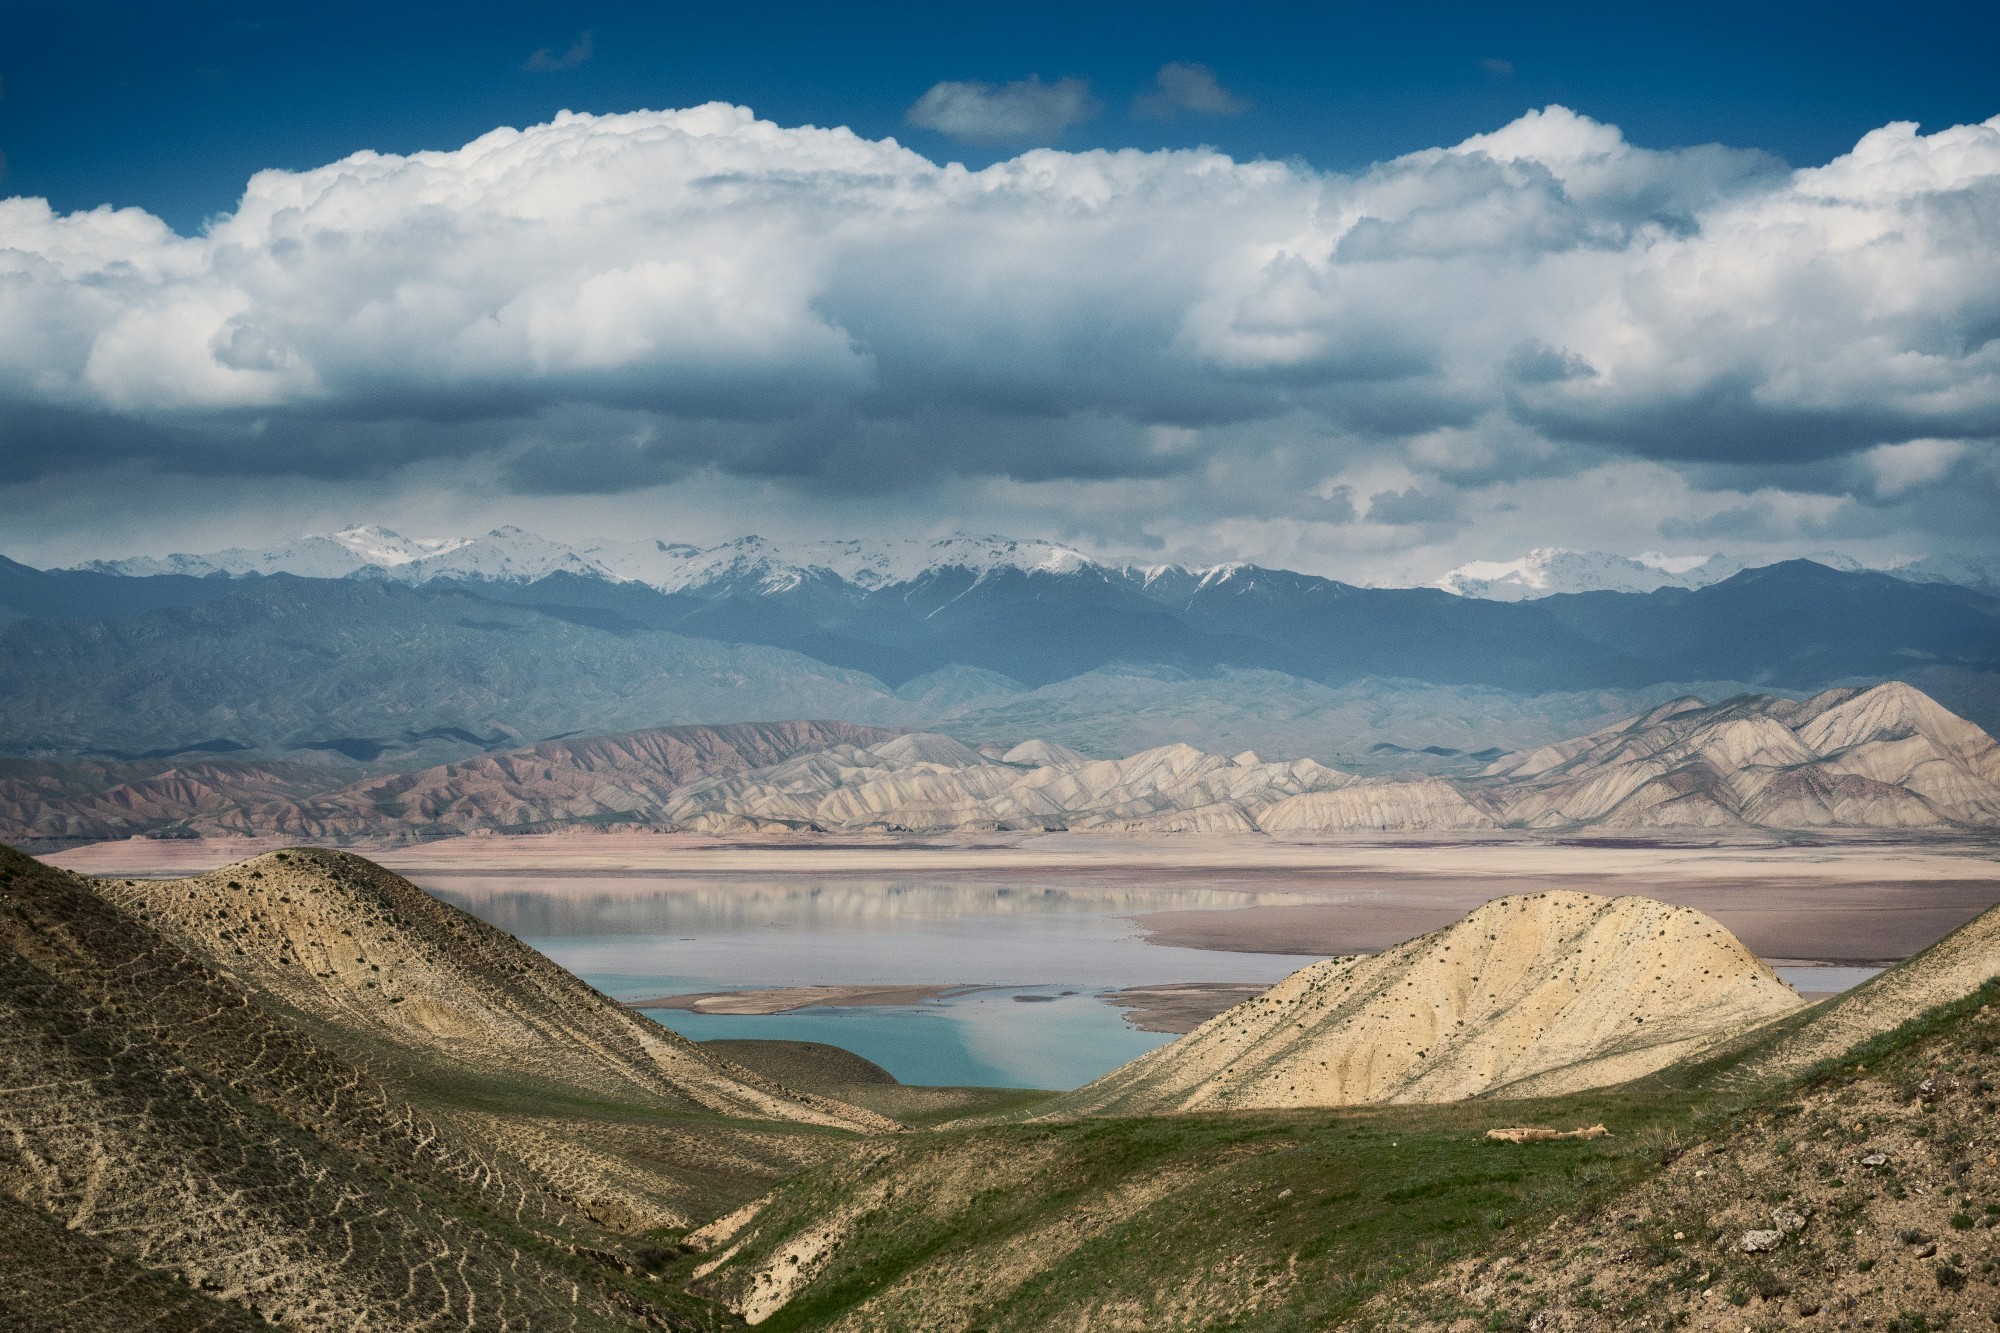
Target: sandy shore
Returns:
[784, 999]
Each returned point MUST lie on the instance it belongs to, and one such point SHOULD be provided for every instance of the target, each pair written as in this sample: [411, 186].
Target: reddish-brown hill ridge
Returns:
[592, 779]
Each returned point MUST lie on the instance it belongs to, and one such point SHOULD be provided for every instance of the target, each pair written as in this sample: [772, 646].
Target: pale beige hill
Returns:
[921, 783]
[1529, 995]
[363, 951]
[1386, 806]
[1951, 969]
[1888, 757]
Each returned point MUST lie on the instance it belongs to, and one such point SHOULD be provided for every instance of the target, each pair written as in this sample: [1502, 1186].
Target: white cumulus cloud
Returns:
[610, 302]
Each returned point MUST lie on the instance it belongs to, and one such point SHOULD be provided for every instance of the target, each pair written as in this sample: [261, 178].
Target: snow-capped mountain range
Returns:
[513, 555]
[1548, 570]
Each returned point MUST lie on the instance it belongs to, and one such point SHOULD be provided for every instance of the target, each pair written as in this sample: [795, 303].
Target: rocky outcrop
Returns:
[1525, 996]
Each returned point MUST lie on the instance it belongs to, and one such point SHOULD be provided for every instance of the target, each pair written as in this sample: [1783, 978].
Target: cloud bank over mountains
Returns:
[1228, 357]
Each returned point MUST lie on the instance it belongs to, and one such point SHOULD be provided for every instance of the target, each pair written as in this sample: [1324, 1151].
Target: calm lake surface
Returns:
[1041, 957]
[1035, 959]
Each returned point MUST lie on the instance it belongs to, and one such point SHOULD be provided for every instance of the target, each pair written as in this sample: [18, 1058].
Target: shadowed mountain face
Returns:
[301, 1086]
[103, 665]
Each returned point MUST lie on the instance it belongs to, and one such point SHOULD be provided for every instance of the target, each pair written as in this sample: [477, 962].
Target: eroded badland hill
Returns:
[302, 1087]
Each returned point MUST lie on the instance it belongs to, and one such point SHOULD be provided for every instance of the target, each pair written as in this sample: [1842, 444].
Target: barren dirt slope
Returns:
[352, 946]
[1528, 995]
[154, 1109]
[1955, 966]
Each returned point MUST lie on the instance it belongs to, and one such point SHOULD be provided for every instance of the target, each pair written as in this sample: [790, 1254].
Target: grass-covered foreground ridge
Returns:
[1409, 1217]
[1865, 1195]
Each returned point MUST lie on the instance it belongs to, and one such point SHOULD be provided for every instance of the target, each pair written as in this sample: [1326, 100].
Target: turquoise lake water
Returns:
[1041, 957]
[1037, 959]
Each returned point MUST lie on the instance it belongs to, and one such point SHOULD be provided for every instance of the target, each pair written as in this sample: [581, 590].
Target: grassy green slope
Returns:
[1279, 1220]
[1284, 1221]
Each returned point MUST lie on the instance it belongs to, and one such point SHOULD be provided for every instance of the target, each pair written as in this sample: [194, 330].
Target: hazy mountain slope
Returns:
[1528, 995]
[373, 668]
[158, 1105]
[1795, 624]
[285, 662]
[1122, 710]
[84, 594]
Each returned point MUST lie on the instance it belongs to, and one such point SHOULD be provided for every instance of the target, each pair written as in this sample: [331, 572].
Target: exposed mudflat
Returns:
[1179, 1008]
[1845, 900]
[784, 999]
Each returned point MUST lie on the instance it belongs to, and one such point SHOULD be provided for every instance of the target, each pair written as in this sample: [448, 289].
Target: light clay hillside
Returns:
[597, 779]
[1526, 996]
[160, 1113]
[1882, 758]
[1887, 757]
[211, 1078]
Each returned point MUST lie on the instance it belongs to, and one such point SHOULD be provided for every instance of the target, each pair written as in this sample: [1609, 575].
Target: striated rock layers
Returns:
[932, 783]
[1888, 757]
[1525, 996]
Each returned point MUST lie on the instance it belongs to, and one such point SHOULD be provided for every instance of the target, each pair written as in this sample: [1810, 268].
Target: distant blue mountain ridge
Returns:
[93, 661]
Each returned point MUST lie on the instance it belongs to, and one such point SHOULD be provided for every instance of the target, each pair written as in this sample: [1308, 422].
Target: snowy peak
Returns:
[513, 555]
[1548, 570]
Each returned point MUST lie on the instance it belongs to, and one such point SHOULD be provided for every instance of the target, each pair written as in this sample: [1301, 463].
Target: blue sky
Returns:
[171, 106]
[1447, 282]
